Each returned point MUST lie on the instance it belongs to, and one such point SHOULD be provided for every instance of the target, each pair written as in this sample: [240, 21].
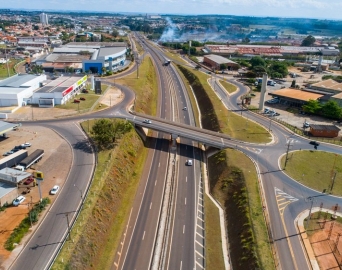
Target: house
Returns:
[328, 131]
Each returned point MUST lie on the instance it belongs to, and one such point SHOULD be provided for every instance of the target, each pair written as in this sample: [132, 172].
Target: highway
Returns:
[142, 228]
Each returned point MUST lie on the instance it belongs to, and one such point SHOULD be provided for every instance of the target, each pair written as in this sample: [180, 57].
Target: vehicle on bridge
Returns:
[188, 162]
[147, 121]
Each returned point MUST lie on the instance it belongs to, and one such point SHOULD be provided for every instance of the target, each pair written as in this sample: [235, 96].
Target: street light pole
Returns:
[312, 200]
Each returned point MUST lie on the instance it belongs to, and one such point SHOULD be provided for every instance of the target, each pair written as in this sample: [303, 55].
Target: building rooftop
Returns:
[110, 51]
[219, 59]
[324, 127]
[96, 44]
[6, 127]
[296, 94]
[58, 85]
[328, 84]
[10, 175]
[6, 188]
[16, 81]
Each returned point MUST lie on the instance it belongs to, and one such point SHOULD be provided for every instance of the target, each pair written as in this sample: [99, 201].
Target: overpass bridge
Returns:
[207, 137]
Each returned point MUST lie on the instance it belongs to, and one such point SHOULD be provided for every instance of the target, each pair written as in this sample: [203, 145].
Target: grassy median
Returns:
[316, 169]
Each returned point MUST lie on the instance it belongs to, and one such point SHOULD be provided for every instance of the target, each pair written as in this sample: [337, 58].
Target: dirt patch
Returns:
[327, 254]
[55, 165]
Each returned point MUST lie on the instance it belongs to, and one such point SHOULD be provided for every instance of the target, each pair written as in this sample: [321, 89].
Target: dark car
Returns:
[77, 101]
[82, 98]
[315, 143]
[28, 181]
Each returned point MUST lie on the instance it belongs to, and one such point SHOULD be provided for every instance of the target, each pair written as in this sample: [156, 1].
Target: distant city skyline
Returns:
[321, 9]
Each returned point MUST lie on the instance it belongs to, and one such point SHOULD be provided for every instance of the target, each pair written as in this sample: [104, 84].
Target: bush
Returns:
[20, 231]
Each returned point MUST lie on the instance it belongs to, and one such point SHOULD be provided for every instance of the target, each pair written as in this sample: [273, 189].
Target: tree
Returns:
[257, 61]
[312, 106]
[293, 84]
[332, 110]
[278, 69]
[105, 132]
[308, 41]
[223, 66]
[115, 33]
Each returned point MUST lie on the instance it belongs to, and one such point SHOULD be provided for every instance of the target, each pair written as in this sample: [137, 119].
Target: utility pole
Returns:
[287, 153]
[8, 73]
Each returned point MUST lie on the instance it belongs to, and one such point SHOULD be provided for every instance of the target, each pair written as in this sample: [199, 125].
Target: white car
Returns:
[27, 144]
[18, 200]
[185, 109]
[189, 162]
[147, 121]
[54, 190]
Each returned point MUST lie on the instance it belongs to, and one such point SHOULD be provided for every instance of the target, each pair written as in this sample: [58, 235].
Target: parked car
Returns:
[54, 190]
[185, 109]
[28, 181]
[77, 101]
[306, 125]
[18, 200]
[188, 162]
[82, 98]
[147, 121]
[27, 144]
[272, 101]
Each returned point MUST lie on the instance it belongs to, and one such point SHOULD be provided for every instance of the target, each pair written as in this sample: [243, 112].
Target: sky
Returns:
[322, 9]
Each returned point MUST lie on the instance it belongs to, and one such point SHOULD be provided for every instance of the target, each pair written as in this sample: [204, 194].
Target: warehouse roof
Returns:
[16, 81]
[296, 94]
[328, 84]
[58, 85]
[5, 188]
[6, 127]
[219, 59]
[111, 50]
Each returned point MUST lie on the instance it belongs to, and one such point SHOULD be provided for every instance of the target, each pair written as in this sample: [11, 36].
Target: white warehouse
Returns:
[16, 90]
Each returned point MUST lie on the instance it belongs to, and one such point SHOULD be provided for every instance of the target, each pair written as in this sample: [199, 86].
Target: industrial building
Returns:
[270, 50]
[215, 62]
[58, 91]
[92, 57]
[18, 89]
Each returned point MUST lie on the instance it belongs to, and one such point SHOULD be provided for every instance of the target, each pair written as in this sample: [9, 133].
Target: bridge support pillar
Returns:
[174, 138]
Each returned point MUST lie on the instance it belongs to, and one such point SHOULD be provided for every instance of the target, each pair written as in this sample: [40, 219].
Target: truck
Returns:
[32, 158]
[13, 159]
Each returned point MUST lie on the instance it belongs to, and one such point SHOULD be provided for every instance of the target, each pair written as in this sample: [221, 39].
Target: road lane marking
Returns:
[155, 182]
[200, 235]
[159, 164]
[200, 265]
[200, 227]
[198, 243]
[150, 205]
[185, 201]
[183, 229]
[186, 179]
[199, 253]
[143, 236]
[181, 265]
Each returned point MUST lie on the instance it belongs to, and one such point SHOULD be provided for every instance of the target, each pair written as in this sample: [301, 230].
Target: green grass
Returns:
[230, 88]
[99, 227]
[232, 123]
[315, 169]
[83, 105]
[316, 222]
[236, 159]
[213, 247]
[11, 65]
[145, 87]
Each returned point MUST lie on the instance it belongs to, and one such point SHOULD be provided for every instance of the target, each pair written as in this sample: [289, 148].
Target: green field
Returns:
[315, 169]
[86, 104]
[11, 65]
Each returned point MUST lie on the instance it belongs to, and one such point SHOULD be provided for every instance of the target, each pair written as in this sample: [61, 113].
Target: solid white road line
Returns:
[143, 236]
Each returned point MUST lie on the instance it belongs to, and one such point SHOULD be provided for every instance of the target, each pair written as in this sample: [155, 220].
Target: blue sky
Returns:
[326, 9]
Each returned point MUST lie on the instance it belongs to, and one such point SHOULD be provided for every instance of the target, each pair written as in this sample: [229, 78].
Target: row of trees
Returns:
[274, 69]
[330, 109]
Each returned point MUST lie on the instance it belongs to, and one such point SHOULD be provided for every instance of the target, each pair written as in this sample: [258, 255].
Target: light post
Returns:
[312, 200]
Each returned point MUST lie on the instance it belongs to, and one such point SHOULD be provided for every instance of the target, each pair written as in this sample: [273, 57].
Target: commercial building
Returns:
[92, 57]
[44, 20]
[295, 97]
[215, 62]
[18, 89]
[328, 131]
[270, 50]
[58, 91]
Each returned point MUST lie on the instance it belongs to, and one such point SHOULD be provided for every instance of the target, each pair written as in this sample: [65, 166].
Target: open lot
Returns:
[55, 165]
